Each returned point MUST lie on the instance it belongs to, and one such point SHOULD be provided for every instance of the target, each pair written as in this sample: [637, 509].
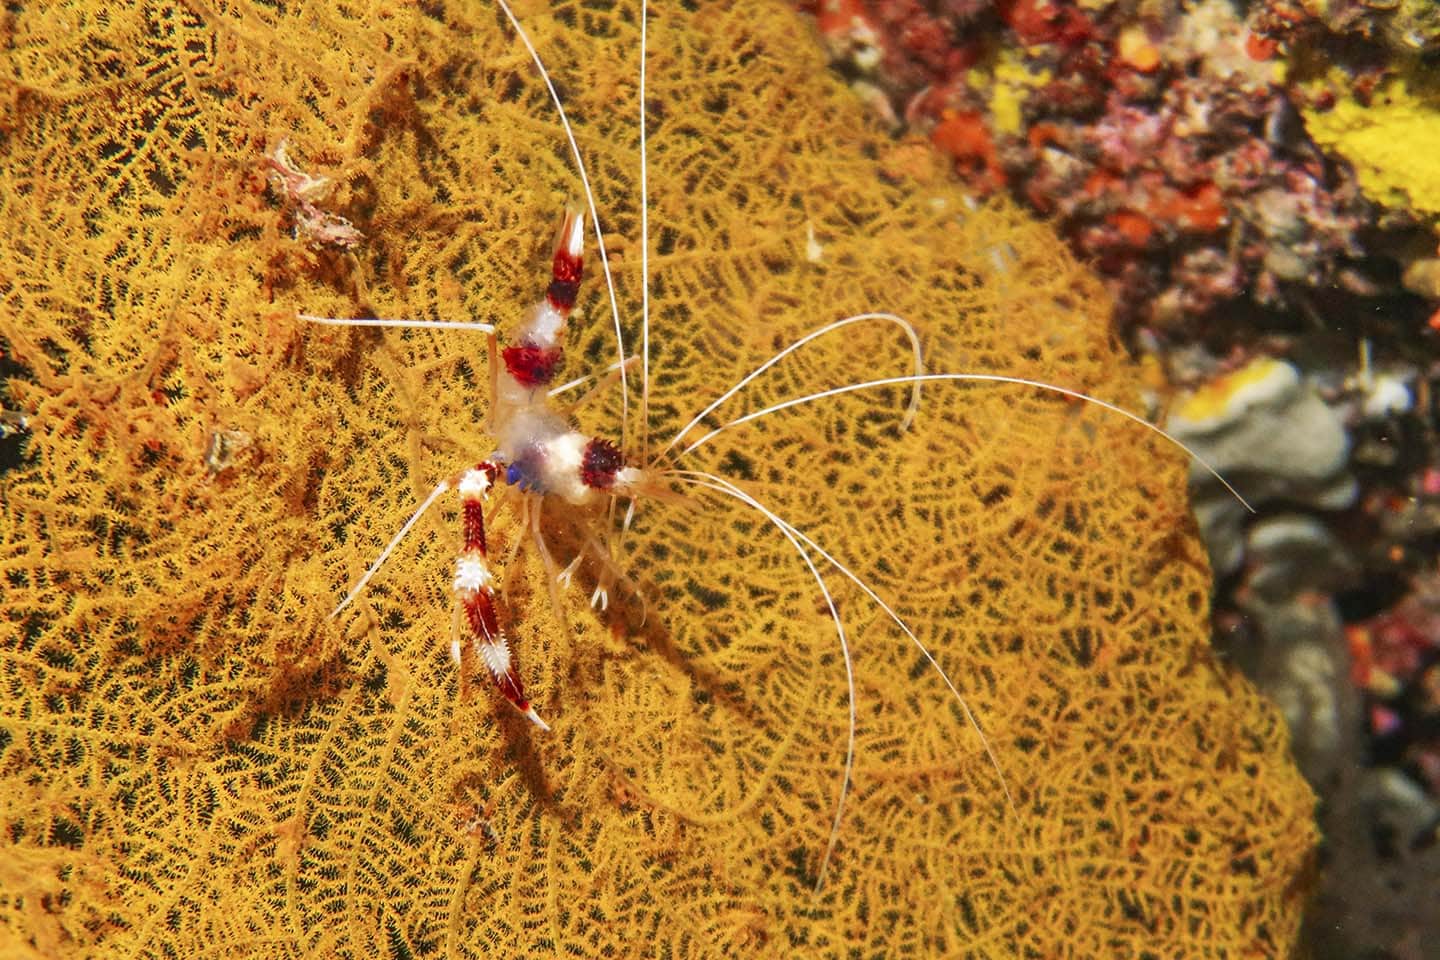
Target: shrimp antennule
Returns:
[411, 324]
[721, 485]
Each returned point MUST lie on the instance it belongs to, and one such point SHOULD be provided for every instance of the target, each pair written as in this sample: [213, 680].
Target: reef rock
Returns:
[1270, 434]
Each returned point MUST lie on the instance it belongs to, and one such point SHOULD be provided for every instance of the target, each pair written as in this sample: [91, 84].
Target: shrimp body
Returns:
[540, 453]
[539, 449]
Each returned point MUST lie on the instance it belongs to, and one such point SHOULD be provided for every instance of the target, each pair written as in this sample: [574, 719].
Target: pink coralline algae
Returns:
[1165, 148]
[1405, 26]
[1395, 659]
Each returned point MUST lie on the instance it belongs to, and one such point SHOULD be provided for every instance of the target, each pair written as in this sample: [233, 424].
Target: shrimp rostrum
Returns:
[921, 571]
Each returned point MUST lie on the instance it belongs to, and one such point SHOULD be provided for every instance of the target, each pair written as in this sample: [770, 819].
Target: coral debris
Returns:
[305, 193]
[1165, 144]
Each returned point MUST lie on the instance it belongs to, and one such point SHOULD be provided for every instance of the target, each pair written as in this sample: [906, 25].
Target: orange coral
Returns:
[965, 137]
[197, 762]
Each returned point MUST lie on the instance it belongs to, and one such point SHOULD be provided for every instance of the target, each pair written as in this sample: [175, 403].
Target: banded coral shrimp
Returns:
[1003, 555]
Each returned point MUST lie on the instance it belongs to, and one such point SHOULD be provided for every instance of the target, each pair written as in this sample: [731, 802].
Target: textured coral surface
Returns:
[197, 762]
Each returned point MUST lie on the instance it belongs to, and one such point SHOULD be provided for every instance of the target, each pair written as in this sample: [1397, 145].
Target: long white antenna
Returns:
[820, 332]
[869, 591]
[644, 252]
[981, 378]
[720, 485]
[413, 324]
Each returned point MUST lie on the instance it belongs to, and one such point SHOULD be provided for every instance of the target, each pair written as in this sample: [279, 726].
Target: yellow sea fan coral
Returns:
[197, 762]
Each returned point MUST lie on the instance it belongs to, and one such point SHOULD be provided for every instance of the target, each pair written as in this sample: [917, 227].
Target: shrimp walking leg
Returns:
[474, 587]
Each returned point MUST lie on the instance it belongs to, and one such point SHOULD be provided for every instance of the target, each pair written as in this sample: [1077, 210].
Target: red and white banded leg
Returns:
[474, 587]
